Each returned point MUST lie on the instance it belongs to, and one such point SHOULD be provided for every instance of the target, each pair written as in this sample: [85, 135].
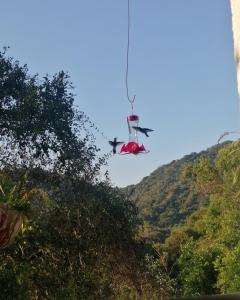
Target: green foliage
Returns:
[164, 285]
[155, 282]
[85, 244]
[197, 272]
[196, 199]
[40, 126]
[205, 176]
[18, 194]
[228, 267]
[167, 197]
[205, 249]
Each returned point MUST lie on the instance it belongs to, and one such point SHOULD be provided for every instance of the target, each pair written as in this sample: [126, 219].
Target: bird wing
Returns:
[147, 129]
[136, 127]
[119, 143]
[111, 143]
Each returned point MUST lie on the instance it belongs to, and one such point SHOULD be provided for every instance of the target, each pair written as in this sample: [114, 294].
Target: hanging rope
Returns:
[128, 47]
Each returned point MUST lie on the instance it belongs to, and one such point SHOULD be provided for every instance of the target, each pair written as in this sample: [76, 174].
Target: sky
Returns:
[181, 68]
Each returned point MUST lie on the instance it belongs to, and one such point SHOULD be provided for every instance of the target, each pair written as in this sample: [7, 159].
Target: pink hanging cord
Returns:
[127, 66]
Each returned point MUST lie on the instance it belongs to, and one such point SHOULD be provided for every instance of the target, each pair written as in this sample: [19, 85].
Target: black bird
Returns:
[142, 130]
[114, 144]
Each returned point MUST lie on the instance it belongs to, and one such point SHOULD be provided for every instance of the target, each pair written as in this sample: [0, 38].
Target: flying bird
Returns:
[114, 144]
[224, 134]
[142, 130]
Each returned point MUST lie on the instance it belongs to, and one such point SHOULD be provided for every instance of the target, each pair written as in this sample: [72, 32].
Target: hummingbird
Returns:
[142, 130]
[114, 144]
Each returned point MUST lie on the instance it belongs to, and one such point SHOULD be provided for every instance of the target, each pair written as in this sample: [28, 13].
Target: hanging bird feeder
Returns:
[132, 147]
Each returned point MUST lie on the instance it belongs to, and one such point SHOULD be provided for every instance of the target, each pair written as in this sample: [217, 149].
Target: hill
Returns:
[163, 199]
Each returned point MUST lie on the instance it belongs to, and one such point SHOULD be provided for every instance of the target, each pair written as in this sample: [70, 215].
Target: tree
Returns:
[228, 267]
[40, 125]
[197, 272]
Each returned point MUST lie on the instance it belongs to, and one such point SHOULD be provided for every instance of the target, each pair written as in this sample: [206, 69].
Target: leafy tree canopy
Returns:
[40, 127]
[206, 246]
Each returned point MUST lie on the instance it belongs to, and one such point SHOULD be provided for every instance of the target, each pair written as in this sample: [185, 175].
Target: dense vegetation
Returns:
[202, 250]
[207, 245]
[80, 236]
[164, 199]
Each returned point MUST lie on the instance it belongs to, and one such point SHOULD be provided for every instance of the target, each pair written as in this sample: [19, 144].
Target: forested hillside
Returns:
[164, 199]
[203, 253]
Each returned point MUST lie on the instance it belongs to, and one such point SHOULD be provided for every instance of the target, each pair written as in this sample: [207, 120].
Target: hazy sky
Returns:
[181, 68]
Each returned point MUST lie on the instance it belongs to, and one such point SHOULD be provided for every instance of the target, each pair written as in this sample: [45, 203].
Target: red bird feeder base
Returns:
[132, 148]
